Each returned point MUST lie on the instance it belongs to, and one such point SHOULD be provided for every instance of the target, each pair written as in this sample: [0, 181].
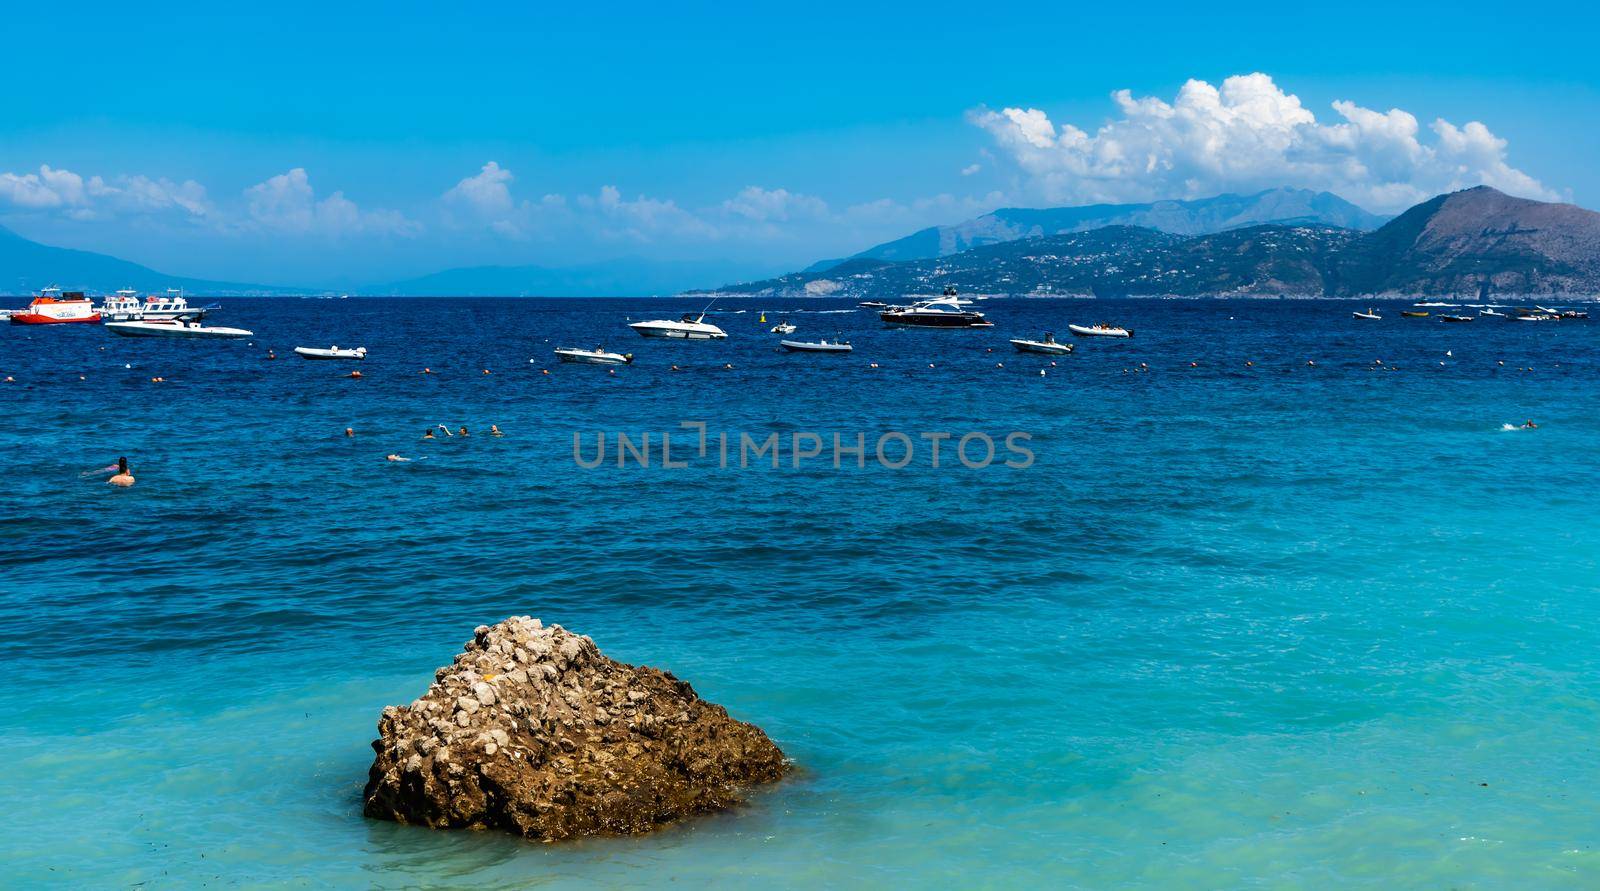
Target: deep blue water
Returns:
[1273, 625]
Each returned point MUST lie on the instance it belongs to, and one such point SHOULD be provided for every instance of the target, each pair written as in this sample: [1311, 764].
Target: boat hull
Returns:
[935, 320]
[34, 318]
[583, 357]
[1086, 331]
[320, 355]
[175, 330]
[1040, 346]
[800, 346]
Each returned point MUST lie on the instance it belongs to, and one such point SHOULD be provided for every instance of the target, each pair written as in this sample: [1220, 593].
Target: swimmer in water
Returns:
[395, 458]
[494, 430]
[122, 477]
[428, 433]
[462, 432]
[1529, 425]
[349, 432]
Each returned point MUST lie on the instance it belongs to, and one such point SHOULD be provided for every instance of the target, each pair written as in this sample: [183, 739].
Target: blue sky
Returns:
[350, 143]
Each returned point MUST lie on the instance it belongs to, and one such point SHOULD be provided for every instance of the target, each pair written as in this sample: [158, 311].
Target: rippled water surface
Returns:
[1276, 625]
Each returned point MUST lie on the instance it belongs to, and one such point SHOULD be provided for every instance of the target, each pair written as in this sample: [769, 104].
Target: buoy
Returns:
[354, 374]
[1249, 364]
[930, 364]
[763, 317]
[486, 371]
[872, 365]
[1194, 364]
[674, 368]
[1041, 372]
[999, 364]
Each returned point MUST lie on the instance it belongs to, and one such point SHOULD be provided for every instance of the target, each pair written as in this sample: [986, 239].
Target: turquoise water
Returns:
[1277, 625]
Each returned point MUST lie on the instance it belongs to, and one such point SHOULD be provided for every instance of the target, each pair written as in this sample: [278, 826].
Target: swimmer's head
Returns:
[122, 465]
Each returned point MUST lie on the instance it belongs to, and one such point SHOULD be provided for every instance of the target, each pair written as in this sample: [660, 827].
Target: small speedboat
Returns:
[174, 328]
[1411, 314]
[1049, 346]
[1490, 312]
[873, 304]
[821, 346]
[1101, 330]
[1455, 318]
[331, 353]
[596, 356]
[1537, 317]
[1371, 314]
[783, 328]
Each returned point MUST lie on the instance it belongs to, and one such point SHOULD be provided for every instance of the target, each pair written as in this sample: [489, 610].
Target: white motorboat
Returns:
[690, 327]
[1049, 346]
[873, 304]
[821, 346]
[1490, 312]
[174, 328]
[1369, 314]
[331, 353]
[596, 356]
[1101, 330]
[783, 328]
[1537, 317]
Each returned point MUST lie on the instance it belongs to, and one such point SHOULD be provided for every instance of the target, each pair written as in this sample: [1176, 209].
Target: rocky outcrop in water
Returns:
[534, 731]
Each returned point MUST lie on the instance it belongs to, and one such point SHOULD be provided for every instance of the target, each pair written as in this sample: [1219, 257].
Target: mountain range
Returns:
[1282, 241]
[28, 265]
[1284, 207]
[1462, 243]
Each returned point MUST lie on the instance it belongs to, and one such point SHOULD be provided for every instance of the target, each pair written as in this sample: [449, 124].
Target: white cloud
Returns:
[488, 193]
[1248, 135]
[777, 205]
[970, 169]
[288, 203]
[88, 198]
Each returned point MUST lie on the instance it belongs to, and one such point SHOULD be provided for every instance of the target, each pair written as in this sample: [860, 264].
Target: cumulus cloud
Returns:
[288, 203]
[1249, 134]
[54, 190]
[779, 205]
[487, 193]
[970, 169]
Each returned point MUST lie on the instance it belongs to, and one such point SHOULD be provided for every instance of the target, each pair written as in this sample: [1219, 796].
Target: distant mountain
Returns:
[1451, 245]
[609, 279]
[1465, 241]
[1284, 207]
[26, 266]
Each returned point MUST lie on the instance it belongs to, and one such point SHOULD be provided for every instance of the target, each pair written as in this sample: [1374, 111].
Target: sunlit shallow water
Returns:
[1273, 625]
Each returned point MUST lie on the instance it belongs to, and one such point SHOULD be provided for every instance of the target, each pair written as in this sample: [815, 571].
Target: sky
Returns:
[344, 145]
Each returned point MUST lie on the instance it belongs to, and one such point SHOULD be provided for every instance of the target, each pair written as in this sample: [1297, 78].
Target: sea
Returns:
[1262, 596]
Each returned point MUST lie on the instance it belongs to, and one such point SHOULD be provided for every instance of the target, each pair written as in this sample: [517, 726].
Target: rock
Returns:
[537, 744]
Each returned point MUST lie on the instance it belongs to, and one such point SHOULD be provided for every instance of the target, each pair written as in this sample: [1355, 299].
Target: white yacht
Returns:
[690, 327]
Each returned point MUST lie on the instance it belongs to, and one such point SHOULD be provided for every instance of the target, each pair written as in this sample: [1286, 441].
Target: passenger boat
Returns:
[1411, 314]
[690, 327]
[1455, 318]
[331, 353]
[596, 356]
[125, 306]
[1100, 330]
[174, 328]
[53, 306]
[940, 312]
[1369, 314]
[821, 346]
[783, 328]
[1049, 346]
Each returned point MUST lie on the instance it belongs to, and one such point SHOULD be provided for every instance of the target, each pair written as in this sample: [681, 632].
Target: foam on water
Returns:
[1273, 625]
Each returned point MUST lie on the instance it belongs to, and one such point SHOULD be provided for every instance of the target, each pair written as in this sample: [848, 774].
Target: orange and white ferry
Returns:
[54, 307]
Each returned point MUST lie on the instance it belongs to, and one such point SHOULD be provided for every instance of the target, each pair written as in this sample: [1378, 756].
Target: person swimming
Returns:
[122, 477]
[1529, 425]
[350, 432]
[428, 433]
[462, 432]
[395, 458]
[494, 430]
